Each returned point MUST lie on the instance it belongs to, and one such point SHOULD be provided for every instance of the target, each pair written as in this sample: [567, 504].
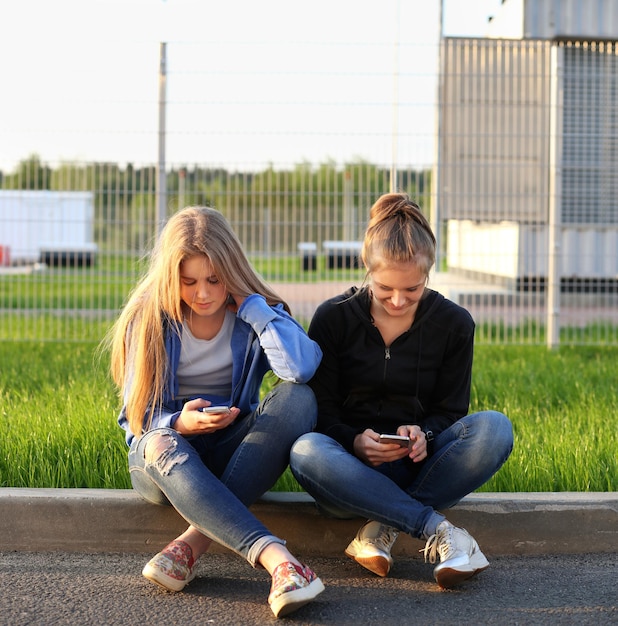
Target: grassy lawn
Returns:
[77, 304]
[59, 408]
[106, 285]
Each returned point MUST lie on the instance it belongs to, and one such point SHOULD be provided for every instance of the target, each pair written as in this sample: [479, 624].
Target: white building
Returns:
[527, 169]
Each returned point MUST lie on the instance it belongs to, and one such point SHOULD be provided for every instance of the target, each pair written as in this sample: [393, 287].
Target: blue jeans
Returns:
[212, 479]
[404, 494]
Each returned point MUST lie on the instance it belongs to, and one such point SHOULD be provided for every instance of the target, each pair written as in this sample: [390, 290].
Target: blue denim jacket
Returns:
[264, 338]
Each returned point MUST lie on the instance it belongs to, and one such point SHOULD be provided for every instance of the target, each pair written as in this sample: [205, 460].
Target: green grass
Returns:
[563, 407]
[54, 327]
[288, 268]
[77, 304]
[59, 407]
[105, 286]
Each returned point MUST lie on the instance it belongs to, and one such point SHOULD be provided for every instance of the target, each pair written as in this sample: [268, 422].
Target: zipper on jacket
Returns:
[387, 357]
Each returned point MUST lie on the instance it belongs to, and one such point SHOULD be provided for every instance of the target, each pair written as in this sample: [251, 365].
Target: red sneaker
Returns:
[293, 586]
[173, 567]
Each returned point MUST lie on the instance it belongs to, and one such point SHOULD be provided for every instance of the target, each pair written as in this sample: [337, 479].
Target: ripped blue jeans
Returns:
[466, 455]
[211, 480]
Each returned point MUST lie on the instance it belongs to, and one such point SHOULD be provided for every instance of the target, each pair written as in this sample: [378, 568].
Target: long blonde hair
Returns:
[398, 233]
[139, 363]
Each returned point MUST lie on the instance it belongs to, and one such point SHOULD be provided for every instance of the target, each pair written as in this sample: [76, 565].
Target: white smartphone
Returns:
[215, 409]
[401, 440]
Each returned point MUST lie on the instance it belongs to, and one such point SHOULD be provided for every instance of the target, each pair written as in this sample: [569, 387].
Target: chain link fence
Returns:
[519, 187]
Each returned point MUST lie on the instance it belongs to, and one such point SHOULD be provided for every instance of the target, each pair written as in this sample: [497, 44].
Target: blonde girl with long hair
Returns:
[200, 331]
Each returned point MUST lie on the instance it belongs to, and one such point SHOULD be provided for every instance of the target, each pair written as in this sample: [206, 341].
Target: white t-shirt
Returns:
[205, 366]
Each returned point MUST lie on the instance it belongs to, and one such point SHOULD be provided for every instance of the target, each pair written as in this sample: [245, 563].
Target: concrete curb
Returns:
[111, 520]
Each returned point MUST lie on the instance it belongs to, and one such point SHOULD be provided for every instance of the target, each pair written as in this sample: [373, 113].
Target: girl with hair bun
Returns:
[397, 363]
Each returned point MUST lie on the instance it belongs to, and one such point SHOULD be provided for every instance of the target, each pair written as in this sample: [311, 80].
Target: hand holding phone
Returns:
[215, 409]
[401, 440]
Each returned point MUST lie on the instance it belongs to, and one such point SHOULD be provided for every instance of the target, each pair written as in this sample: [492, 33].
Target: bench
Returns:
[308, 253]
[342, 254]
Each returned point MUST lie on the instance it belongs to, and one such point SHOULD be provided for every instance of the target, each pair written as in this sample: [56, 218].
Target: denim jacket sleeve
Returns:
[160, 419]
[292, 356]
[165, 416]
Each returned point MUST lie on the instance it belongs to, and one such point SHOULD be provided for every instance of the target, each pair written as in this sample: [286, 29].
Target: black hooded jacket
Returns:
[422, 378]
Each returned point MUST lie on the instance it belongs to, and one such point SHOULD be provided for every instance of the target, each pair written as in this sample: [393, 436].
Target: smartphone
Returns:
[215, 409]
[402, 440]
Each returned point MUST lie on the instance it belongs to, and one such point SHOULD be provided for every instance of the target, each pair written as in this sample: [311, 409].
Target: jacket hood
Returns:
[360, 300]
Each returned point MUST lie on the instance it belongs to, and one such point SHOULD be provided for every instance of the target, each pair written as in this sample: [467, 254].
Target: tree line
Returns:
[269, 208]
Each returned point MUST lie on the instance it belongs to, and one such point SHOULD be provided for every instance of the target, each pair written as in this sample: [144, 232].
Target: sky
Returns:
[247, 82]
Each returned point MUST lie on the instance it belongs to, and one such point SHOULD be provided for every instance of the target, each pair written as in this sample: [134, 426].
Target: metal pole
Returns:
[554, 225]
[395, 126]
[182, 175]
[350, 220]
[435, 217]
[161, 180]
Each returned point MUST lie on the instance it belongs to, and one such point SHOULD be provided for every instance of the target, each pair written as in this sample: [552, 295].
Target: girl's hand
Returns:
[418, 451]
[193, 422]
[367, 448]
[234, 302]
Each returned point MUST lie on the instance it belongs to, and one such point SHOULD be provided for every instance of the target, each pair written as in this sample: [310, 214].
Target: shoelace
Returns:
[385, 538]
[440, 543]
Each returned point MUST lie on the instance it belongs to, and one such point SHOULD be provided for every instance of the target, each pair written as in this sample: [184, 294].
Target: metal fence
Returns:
[519, 189]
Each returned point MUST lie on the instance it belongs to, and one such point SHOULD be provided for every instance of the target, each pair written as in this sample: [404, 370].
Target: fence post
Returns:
[161, 179]
[554, 226]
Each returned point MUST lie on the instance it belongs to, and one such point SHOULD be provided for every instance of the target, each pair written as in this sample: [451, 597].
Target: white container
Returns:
[37, 224]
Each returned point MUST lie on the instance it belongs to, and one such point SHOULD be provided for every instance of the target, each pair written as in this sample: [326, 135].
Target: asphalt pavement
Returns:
[74, 557]
[76, 589]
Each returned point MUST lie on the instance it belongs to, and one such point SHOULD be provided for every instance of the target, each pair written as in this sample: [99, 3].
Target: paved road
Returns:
[486, 302]
[107, 589]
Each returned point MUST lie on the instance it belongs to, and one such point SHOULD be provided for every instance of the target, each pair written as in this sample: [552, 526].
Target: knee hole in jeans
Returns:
[161, 452]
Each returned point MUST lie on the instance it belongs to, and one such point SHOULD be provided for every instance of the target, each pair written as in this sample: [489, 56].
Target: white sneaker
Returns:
[460, 555]
[372, 545]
